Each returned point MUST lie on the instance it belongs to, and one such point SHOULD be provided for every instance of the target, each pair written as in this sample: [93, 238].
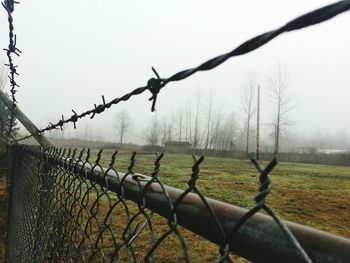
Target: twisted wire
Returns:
[260, 199]
[154, 85]
[9, 6]
[76, 213]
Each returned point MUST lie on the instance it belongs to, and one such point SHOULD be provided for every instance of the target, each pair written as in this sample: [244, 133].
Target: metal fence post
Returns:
[26, 122]
[45, 192]
[11, 164]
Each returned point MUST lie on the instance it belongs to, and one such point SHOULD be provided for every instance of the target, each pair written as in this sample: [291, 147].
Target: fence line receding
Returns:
[66, 208]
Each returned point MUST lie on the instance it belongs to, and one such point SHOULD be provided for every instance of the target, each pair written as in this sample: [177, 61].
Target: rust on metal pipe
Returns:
[259, 239]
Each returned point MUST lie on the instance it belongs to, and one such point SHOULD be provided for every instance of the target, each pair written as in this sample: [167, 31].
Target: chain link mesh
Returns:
[67, 208]
[24, 198]
[64, 207]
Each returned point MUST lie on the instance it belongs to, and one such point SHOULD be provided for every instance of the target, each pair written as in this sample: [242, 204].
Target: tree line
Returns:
[205, 124]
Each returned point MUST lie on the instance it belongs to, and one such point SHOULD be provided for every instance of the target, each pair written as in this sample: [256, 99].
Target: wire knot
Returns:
[61, 123]
[114, 157]
[9, 5]
[195, 171]
[264, 188]
[74, 118]
[99, 156]
[154, 85]
[99, 109]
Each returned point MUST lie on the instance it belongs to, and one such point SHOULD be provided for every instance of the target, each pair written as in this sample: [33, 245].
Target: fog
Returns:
[76, 51]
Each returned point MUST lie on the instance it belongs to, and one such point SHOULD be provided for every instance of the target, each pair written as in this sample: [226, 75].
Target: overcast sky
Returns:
[76, 51]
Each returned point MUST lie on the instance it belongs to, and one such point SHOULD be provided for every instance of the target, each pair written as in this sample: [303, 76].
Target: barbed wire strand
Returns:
[9, 6]
[154, 85]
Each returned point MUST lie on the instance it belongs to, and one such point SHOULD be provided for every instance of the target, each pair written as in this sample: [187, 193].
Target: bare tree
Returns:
[209, 121]
[166, 130]
[279, 82]
[170, 128]
[87, 132]
[123, 124]
[248, 104]
[230, 133]
[163, 132]
[152, 132]
[188, 114]
[196, 134]
[179, 124]
[216, 129]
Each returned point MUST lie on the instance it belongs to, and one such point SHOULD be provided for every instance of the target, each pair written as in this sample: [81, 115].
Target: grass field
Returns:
[313, 195]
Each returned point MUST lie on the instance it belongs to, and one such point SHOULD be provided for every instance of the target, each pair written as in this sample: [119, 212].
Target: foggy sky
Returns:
[76, 51]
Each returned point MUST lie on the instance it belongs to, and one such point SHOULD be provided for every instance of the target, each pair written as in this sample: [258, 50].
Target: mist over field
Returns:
[163, 131]
[76, 51]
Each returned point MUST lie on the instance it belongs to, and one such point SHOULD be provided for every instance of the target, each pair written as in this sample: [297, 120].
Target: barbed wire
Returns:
[154, 85]
[9, 6]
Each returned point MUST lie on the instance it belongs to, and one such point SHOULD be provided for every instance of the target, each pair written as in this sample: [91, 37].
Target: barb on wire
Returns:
[154, 85]
[9, 6]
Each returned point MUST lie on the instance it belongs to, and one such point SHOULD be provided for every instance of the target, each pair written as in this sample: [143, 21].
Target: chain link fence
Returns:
[63, 207]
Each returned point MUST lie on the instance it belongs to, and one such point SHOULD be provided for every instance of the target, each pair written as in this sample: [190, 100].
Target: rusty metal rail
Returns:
[69, 193]
[62, 206]
[259, 239]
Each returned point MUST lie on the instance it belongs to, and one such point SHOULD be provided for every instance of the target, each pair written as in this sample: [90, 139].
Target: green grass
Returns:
[314, 195]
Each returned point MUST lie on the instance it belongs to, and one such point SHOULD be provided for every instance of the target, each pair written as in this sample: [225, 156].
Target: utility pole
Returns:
[258, 126]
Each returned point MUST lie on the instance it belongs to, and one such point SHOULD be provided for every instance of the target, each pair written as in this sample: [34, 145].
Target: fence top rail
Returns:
[258, 236]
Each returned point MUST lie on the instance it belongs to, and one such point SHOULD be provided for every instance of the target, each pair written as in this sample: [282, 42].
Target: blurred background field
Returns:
[314, 195]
